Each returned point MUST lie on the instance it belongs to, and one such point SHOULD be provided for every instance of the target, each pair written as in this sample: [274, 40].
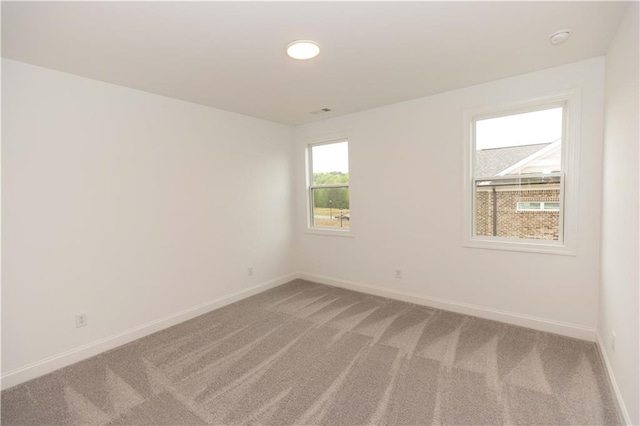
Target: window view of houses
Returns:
[517, 175]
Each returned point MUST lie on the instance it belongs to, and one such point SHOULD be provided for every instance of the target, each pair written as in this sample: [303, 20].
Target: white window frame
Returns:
[571, 100]
[311, 229]
[542, 208]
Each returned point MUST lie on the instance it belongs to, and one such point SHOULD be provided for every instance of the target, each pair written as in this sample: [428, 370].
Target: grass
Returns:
[326, 210]
[329, 223]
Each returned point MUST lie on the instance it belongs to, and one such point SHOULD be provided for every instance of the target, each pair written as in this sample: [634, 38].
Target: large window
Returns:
[329, 186]
[517, 176]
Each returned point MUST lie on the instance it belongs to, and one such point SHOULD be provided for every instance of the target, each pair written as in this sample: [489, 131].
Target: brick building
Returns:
[508, 203]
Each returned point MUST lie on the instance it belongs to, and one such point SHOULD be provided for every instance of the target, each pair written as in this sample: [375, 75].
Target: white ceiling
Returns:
[230, 55]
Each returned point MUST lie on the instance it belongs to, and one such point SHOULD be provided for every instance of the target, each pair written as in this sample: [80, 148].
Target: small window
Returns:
[519, 175]
[540, 206]
[329, 186]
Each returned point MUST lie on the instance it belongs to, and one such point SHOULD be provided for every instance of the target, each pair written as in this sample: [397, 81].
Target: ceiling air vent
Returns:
[321, 111]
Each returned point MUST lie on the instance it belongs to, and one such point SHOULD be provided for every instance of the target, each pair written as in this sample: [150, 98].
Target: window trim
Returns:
[310, 228]
[571, 99]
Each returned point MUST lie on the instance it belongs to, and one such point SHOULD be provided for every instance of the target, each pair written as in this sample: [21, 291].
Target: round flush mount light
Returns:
[559, 37]
[303, 49]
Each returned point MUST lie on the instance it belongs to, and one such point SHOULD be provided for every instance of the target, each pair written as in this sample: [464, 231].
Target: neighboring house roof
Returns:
[492, 162]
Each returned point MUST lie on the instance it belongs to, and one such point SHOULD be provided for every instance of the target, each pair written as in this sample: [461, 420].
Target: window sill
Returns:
[543, 247]
[329, 232]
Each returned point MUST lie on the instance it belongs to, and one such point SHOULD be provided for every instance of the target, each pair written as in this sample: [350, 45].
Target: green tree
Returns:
[337, 198]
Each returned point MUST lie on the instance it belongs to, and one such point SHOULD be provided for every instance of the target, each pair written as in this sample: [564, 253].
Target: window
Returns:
[518, 162]
[538, 206]
[329, 186]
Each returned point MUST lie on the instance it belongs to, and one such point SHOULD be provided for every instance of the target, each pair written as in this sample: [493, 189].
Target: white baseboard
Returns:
[612, 380]
[542, 324]
[47, 365]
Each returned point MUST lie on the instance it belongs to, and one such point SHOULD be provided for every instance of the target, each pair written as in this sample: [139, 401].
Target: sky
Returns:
[331, 158]
[521, 129]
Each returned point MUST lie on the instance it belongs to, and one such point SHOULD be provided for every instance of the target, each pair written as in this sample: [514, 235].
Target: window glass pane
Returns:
[552, 206]
[501, 207]
[529, 206]
[330, 163]
[519, 143]
[331, 207]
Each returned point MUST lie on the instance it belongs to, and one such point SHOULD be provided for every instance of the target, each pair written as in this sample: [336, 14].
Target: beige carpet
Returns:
[305, 353]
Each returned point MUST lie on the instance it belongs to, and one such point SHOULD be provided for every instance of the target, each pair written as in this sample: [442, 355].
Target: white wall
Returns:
[406, 207]
[134, 207]
[130, 207]
[619, 296]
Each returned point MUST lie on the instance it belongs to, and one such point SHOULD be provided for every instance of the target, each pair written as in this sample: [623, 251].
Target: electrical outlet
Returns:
[250, 271]
[81, 320]
[613, 341]
[398, 273]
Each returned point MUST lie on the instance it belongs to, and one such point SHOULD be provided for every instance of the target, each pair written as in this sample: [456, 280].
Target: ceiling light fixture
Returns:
[559, 37]
[303, 49]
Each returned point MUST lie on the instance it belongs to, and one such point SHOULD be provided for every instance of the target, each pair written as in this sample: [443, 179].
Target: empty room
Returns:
[320, 213]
